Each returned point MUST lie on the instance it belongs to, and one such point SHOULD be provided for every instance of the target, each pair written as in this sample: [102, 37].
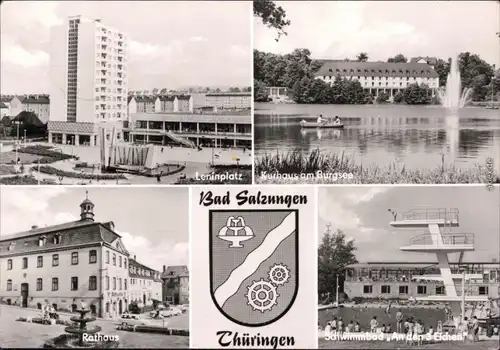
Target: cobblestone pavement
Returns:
[15, 334]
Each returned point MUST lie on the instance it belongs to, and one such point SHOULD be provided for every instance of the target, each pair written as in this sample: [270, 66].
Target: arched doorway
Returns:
[73, 307]
[126, 304]
[144, 299]
[114, 308]
[24, 294]
[120, 307]
[93, 309]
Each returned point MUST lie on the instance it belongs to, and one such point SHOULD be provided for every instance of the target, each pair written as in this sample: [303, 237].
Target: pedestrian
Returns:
[340, 326]
[399, 322]
[373, 324]
[475, 329]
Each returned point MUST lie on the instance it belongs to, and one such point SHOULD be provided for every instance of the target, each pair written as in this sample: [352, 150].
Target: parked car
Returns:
[171, 311]
[184, 308]
[132, 320]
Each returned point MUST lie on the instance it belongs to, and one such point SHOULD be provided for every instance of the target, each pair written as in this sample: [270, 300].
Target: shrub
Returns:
[383, 97]
[47, 169]
[18, 180]
[41, 150]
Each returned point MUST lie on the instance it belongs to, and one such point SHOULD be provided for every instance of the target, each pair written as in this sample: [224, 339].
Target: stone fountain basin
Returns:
[88, 330]
[84, 320]
[70, 341]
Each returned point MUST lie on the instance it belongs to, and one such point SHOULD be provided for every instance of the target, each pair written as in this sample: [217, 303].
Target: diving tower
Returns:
[440, 240]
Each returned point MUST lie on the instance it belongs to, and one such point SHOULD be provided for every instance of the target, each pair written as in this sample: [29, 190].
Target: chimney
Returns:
[34, 227]
[164, 268]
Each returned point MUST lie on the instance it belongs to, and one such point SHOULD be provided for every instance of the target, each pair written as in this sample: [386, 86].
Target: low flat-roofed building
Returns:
[403, 280]
[220, 129]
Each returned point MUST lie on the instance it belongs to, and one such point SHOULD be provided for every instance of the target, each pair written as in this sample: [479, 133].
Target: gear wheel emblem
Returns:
[262, 295]
[279, 274]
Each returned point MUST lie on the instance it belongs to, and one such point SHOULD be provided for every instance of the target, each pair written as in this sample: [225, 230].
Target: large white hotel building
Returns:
[377, 77]
[88, 69]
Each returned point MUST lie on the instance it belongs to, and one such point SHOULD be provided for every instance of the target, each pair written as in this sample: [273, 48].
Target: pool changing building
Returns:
[64, 265]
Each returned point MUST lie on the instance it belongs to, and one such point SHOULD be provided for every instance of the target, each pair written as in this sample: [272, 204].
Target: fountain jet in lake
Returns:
[453, 97]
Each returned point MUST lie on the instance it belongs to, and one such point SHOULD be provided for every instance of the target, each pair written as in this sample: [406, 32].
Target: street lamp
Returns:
[17, 122]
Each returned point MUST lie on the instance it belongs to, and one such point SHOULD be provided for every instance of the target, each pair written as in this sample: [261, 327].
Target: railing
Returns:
[447, 214]
[447, 239]
[161, 131]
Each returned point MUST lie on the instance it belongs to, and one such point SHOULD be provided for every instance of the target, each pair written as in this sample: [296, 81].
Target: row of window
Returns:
[55, 260]
[386, 71]
[114, 260]
[55, 284]
[122, 283]
[421, 290]
[74, 260]
[109, 90]
[383, 78]
[117, 283]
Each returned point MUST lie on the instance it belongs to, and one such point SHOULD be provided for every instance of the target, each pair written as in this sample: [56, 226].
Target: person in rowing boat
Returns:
[321, 120]
[337, 120]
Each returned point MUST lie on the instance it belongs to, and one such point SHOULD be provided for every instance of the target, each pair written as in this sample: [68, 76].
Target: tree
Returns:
[398, 97]
[260, 94]
[335, 253]
[399, 58]
[271, 15]
[155, 91]
[362, 57]
[383, 97]
[475, 73]
[234, 89]
[163, 91]
[29, 122]
[442, 68]
[416, 94]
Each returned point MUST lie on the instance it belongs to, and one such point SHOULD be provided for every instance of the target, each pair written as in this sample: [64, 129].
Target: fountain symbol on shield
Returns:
[232, 232]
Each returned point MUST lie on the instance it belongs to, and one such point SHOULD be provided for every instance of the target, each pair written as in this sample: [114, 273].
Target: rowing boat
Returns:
[309, 125]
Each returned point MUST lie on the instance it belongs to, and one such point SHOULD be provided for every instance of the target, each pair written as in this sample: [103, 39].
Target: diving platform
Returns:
[444, 243]
[415, 218]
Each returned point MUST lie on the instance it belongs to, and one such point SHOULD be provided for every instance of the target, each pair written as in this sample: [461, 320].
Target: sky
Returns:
[362, 214]
[343, 29]
[173, 44]
[153, 222]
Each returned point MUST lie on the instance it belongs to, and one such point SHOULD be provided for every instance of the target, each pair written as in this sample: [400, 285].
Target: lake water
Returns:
[416, 136]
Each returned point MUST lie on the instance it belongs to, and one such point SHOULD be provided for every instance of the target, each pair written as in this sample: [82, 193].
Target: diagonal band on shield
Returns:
[255, 259]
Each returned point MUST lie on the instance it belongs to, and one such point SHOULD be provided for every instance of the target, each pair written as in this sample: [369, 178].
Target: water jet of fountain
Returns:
[452, 97]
